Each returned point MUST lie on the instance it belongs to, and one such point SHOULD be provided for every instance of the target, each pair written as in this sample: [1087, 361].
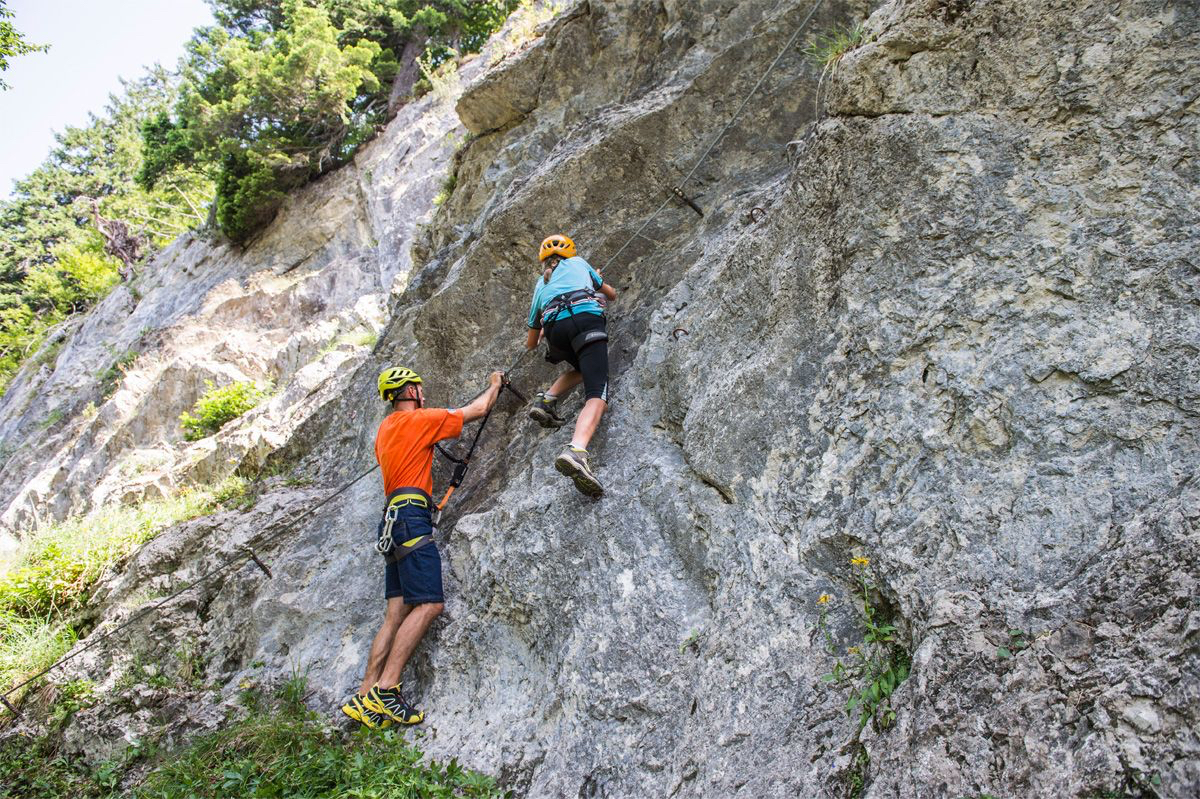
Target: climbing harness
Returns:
[246, 555]
[567, 302]
[386, 545]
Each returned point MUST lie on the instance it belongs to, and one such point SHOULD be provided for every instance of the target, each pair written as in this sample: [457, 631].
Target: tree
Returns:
[281, 91]
[53, 259]
[12, 42]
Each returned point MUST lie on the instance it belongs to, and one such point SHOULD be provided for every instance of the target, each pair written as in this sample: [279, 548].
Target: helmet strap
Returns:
[419, 398]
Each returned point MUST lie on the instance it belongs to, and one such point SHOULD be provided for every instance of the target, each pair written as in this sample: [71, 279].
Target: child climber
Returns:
[568, 311]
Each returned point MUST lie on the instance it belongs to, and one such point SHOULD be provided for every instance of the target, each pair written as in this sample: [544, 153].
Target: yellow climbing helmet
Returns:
[395, 378]
[557, 244]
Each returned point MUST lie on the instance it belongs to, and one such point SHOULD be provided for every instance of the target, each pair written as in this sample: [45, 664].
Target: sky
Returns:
[93, 43]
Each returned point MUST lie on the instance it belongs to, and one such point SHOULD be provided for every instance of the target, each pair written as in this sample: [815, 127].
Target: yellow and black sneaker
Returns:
[359, 710]
[390, 703]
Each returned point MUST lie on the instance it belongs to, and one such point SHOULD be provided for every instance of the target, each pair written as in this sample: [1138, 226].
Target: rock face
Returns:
[959, 339]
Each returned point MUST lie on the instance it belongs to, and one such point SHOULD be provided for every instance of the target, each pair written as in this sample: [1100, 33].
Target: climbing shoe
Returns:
[545, 411]
[358, 709]
[573, 462]
[390, 703]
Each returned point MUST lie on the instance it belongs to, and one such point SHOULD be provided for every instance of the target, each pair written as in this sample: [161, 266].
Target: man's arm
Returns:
[608, 291]
[533, 337]
[479, 406]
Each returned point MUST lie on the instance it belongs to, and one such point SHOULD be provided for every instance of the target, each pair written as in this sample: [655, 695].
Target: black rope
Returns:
[245, 556]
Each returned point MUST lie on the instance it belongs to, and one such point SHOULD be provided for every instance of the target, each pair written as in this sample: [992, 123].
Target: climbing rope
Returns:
[732, 121]
[247, 555]
[247, 551]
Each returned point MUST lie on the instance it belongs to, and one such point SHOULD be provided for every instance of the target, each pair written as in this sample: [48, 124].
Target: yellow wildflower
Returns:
[823, 598]
[853, 650]
[859, 561]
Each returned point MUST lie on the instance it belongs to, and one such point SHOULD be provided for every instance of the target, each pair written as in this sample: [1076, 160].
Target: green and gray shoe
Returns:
[573, 462]
[545, 411]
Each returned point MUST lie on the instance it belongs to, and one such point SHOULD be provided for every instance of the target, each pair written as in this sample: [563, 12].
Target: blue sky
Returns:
[93, 43]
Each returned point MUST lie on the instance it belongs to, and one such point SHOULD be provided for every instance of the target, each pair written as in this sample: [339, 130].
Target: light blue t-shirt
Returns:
[571, 274]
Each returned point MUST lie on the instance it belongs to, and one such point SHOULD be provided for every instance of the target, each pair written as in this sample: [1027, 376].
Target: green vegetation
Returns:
[57, 567]
[873, 669]
[53, 262]
[111, 376]
[1017, 641]
[278, 748]
[856, 780]
[217, 406]
[282, 91]
[826, 50]
[12, 42]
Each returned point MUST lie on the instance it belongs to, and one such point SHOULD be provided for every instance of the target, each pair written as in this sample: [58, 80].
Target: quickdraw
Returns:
[386, 545]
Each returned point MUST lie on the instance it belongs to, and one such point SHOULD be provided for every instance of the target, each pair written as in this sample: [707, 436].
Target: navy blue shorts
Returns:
[417, 577]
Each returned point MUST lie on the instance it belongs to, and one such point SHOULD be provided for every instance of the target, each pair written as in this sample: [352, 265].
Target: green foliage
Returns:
[12, 42]
[55, 416]
[111, 376]
[217, 406]
[281, 749]
[856, 780]
[70, 698]
[826, 50]
[1018, 640]
[49, 292]
[873, 669]
[57, 567]
[281, 91]
[52, 259]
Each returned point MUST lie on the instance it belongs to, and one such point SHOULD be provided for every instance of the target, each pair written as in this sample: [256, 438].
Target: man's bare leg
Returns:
[393, 618]
[412, 629]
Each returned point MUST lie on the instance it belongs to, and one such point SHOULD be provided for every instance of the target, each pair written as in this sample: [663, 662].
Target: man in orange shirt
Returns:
[404, 448]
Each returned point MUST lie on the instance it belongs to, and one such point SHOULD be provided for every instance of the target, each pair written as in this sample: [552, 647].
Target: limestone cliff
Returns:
[940, 313]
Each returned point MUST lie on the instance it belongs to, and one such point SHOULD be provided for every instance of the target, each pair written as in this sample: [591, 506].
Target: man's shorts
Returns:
[418, 576]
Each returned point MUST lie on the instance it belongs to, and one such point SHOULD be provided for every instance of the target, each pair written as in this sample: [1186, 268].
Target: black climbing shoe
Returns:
[390, 703]
[545, 412]
[573, 462]
[359, 710]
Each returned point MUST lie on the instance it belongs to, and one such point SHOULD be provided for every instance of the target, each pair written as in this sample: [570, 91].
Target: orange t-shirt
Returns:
[404, 445]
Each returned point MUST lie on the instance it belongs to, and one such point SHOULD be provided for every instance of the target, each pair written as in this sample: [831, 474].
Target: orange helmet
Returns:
[557, 244]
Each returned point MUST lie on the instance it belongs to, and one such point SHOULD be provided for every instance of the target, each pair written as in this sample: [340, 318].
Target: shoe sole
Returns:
[545, 419]
[588, 486]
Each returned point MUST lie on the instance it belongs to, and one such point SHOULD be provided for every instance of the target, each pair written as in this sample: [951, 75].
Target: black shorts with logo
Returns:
[591, 359]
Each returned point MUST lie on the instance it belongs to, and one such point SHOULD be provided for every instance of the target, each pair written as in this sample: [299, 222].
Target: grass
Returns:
[275, 748]
[827, 49]
[53, 419]
[57, 567]
[111, 377]
[355, 338]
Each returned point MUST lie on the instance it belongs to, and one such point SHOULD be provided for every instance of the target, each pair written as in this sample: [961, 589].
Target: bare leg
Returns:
[589, 419]
[565, 382]
[392, 619]
[407, 637]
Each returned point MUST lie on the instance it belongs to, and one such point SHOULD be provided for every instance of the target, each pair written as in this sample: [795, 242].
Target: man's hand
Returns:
[496, 379]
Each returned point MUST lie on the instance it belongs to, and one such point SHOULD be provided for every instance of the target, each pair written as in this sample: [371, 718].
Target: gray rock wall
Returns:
[960, 341]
